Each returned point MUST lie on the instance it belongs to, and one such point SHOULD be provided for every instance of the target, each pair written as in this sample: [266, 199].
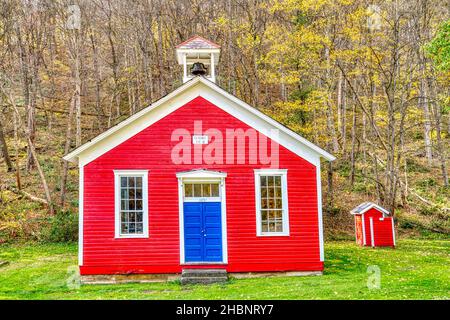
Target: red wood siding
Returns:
[151, 150]
[358, 230]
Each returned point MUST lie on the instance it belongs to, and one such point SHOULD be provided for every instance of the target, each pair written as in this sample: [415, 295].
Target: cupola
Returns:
[199, 57]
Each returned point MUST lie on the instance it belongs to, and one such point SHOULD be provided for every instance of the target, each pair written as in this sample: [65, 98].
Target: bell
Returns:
[198, 69]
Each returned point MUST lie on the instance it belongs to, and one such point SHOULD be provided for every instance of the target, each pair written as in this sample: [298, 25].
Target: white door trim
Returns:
[203, 178]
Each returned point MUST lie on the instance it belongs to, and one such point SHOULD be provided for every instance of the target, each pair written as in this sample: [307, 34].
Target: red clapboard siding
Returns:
[151, 149]
[359, 230]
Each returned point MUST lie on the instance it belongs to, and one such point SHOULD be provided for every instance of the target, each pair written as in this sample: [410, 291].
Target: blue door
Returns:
[202, 232]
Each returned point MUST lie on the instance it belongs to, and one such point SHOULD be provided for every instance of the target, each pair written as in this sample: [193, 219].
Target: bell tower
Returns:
[199, 57]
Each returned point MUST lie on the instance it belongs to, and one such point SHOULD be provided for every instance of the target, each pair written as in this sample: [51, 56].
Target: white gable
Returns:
[196, 87]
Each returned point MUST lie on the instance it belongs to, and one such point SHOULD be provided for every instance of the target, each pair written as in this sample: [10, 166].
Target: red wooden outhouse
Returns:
[199, 179]
[374, 226]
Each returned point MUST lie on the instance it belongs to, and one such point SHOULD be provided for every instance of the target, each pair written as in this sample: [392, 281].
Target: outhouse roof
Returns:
[365, 206]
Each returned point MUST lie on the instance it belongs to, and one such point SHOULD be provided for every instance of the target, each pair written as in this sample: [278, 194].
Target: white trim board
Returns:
[198, 86]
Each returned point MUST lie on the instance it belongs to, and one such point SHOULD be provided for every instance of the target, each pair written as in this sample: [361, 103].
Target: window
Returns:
[131, 203]
[201, 190]
[271, 202]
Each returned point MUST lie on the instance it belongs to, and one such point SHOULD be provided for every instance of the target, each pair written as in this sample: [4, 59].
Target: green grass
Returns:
[417, 269]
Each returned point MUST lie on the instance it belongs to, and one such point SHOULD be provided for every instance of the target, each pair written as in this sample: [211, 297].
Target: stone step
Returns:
[204, 273]
[203, 280]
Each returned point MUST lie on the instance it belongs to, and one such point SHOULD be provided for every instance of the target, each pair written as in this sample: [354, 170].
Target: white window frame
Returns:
[131, 173]
[284, 196]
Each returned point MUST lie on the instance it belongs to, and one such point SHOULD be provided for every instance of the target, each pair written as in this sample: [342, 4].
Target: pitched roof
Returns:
[365, 206]
[197, 42]
[180, 96]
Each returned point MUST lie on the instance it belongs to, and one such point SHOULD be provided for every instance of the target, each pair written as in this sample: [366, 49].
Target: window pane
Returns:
[197, 190]
[139, 194]
[264, 215]
[131, 204]
[263, 192]
[272, 226]
[206, 190]
[264, 203]
[271, 203]
[270, 181]
[278, 192]
[124, 205]
[123, 181]
[132, 228]
[124, 228]
[139, 217]
[277, 181]
[139, 228]
[279, 204]
[279, 227]
[132, 217]
[215, 190]
[139, 205]
[271, 192]
[139, 182]
[131, 182]
[124, 193]
[131, 193]
[263, 181]
[188, 190]
[265, 227]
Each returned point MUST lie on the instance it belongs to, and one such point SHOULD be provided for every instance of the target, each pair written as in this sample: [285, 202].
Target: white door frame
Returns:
[203, 176]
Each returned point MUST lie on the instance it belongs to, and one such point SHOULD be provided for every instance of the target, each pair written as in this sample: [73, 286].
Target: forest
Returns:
[368, 81]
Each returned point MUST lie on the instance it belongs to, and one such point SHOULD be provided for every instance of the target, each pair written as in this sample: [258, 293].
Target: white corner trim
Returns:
[319, 210]
[285, 203]
[80, 215]
[217, 178]
[372, 235]
[363, 229]
[179, 97]
[393, 230]
[134, 173]
[181, 219]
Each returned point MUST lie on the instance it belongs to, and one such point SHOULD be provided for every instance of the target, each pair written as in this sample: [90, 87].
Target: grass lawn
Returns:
[417, 269]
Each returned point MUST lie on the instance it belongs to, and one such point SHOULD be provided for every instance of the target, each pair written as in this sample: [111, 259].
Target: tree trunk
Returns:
[66, 150]
[4, 149]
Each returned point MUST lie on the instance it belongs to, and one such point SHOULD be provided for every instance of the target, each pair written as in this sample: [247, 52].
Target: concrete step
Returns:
[203, 280]
[203, 276]
[203, 273]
